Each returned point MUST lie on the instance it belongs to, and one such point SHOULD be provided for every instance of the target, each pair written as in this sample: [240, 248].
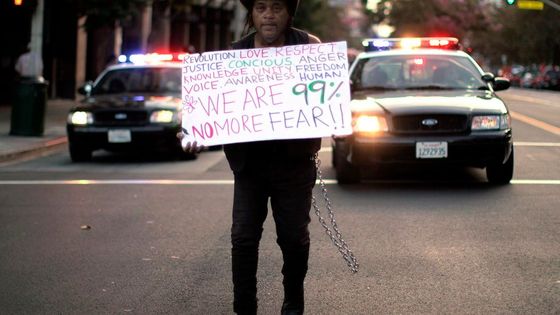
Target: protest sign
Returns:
[288, 92]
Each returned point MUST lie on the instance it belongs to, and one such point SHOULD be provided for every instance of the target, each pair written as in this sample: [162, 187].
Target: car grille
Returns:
[121, 118]
[445, 124]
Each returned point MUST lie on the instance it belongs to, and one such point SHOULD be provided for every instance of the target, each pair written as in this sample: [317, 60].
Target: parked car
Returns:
[532, 79]
[551, 78]
[134, 105]
[422, 101]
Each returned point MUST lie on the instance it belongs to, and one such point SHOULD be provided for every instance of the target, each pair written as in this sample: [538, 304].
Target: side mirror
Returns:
[501, 84]
[488, 77]
[86, 88]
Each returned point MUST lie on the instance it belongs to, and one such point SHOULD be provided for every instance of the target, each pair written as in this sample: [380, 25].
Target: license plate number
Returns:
[119, 136]
[431, 150]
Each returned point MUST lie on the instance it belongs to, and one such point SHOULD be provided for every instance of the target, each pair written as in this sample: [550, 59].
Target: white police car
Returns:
[134, 105]
[423, 101]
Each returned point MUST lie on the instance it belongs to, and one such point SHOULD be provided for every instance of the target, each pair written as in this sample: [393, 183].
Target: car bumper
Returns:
[141, 137]
[478, 149]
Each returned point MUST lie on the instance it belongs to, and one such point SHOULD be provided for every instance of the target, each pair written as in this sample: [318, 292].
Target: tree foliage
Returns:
[319, 18]
[530, 36]
[106, 12]
[523, 36]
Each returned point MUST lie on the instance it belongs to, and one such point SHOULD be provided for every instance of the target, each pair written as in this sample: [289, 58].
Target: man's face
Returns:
[270, 18]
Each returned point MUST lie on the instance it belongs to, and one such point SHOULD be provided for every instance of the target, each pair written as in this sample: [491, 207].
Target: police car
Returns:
[424, 101]
[134, 105]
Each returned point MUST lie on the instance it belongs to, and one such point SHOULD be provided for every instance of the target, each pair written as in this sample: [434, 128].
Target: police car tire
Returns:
[346, 173]
[500, 174]
[215, 148]
[79, 153]
[186, 156]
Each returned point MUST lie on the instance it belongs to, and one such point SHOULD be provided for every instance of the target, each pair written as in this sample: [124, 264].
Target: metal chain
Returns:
[334, 234]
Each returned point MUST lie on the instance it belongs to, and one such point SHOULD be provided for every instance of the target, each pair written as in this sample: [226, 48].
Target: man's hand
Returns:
[189, 147]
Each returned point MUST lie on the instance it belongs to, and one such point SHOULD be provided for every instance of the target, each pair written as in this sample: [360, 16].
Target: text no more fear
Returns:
[261, 109]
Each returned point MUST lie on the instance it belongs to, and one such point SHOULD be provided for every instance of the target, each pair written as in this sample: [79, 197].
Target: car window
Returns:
[140, 80]
[419, 71]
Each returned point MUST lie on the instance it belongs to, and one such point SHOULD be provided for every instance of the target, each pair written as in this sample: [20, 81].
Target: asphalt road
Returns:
[429, 241]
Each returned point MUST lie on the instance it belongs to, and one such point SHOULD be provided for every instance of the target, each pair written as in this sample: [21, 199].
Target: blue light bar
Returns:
[152, 58]
[379, 44]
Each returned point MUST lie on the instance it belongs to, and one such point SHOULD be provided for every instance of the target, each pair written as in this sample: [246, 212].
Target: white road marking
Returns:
[536, 181]
[218, 182]
[536, 144]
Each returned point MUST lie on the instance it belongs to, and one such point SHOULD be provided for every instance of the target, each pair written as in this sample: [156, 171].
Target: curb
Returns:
[33, 151]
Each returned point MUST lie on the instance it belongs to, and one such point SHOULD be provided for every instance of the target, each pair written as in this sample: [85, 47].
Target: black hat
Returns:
[292, 5]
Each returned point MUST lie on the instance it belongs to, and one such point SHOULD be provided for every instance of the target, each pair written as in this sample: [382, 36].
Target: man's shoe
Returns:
[292, 312]
[288, 309]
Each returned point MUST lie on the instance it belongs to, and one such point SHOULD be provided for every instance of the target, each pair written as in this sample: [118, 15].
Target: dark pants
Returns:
[289, 186]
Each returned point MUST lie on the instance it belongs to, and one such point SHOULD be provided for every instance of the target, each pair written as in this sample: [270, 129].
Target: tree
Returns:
[530, 36]
[102, 13]
[433, 17]
[318, 18]
[524, 36]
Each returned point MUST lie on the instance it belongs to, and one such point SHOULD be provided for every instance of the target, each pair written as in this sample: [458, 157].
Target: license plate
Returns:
[431, 150]
[119, 136]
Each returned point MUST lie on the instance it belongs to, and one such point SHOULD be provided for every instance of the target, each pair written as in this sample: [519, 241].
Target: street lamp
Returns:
[511, 2]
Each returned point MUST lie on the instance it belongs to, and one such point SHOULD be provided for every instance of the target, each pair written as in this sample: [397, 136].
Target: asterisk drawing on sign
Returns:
[188, 103]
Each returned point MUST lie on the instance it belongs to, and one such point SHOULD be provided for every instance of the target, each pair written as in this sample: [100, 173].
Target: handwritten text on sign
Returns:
[286, 92]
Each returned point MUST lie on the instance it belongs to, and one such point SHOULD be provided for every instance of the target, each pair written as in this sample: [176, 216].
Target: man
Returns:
[280, 170]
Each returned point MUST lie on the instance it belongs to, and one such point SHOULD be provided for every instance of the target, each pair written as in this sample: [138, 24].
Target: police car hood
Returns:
[129, 101]
[417, 102]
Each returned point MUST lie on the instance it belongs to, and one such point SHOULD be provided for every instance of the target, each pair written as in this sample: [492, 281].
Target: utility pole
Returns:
[36, 43]
[552, 4]
[145, 26]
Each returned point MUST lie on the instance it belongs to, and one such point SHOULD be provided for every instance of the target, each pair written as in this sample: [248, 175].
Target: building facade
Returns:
[72, 55]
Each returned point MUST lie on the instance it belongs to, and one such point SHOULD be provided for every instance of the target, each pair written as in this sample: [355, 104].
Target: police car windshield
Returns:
[416, 72]
[150, 80]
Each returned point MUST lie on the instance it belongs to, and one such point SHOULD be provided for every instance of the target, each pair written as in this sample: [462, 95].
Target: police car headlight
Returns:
[163, 116]
[490, 122]
[370, 124]
[80, 118]
[505, 121]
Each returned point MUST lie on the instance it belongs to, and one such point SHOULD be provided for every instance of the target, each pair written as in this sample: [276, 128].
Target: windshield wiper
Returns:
[376, 88]
[431, 87]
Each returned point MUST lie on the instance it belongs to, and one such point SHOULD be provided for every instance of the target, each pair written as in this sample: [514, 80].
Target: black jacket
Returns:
[239, 154]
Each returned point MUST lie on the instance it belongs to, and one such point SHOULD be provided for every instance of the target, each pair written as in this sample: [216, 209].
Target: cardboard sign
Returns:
[288, 92]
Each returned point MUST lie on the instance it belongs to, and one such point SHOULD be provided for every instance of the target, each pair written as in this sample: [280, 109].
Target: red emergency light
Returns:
[377, 44]
[152, 58]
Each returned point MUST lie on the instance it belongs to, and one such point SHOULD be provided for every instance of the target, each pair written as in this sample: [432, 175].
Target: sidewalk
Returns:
[13, 147]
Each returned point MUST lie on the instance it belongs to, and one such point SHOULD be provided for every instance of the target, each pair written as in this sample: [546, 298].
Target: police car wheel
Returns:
[346, 173]
[186, 156]
[79, 153]
[215, 148]
[500, 174]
